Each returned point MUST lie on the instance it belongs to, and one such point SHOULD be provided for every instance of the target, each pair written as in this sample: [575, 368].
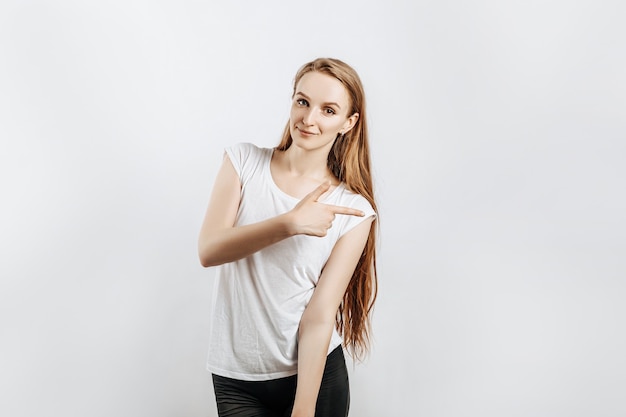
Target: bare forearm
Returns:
[230, 244]
[313, 342]
[221, 242]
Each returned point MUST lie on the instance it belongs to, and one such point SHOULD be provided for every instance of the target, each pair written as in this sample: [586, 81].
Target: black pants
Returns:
[274, 398]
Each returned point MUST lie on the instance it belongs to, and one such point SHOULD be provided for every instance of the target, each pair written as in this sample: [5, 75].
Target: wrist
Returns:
[287, 225]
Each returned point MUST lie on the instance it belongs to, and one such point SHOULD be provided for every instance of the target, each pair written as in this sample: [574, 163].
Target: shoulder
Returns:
[244, 152]
[245, 148]
[349, 198]
[248, 159]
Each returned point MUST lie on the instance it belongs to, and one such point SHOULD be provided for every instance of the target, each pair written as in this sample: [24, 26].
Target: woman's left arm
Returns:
[318, 319]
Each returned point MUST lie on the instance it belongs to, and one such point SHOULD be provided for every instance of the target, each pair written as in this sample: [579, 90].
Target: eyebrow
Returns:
[331, 103]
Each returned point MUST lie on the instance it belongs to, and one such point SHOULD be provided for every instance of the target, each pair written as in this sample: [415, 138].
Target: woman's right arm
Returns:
[221, 242]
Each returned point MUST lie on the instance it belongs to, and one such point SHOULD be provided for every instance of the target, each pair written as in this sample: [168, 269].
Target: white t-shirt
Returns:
[259, 300]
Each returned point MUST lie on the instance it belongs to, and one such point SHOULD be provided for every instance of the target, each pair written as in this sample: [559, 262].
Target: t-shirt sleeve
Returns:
[244, 157]
[360, 203]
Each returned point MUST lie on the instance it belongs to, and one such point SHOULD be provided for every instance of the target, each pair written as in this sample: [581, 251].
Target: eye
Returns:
[302, 102]
[329, 110]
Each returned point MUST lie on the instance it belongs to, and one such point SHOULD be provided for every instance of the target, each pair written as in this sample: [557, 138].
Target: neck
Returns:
[312, 164]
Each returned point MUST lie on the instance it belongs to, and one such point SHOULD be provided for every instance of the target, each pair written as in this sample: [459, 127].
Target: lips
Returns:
[305, 132]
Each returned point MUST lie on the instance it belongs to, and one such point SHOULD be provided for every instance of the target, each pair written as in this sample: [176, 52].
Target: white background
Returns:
[498, 133]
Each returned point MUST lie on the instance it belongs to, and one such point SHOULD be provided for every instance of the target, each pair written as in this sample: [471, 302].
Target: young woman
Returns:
[292, 233]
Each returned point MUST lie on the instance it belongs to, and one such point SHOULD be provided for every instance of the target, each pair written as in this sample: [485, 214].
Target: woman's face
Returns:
[319, 111]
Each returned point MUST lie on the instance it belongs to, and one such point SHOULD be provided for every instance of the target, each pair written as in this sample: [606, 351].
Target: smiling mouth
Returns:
[305, 132]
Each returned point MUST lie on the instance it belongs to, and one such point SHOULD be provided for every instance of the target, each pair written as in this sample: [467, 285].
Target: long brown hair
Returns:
[349, 161]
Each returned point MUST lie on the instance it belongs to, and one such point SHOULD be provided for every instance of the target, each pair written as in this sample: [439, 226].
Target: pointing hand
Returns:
[310, 217]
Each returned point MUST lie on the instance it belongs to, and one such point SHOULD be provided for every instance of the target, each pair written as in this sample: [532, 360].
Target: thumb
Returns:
[321, 189]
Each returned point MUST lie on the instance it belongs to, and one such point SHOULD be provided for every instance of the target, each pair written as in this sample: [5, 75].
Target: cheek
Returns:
[295, 114]
[333, 124]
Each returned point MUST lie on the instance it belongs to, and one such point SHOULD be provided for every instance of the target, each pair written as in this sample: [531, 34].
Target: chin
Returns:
[312, 145]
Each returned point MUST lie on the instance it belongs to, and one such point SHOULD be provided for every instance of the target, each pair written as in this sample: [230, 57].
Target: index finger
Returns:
[346, 210]
[317, 193]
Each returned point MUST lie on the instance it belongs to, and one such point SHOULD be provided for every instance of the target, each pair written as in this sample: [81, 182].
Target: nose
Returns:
[307, 117]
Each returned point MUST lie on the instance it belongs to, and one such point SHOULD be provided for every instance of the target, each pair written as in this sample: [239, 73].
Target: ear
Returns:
[350, 122]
